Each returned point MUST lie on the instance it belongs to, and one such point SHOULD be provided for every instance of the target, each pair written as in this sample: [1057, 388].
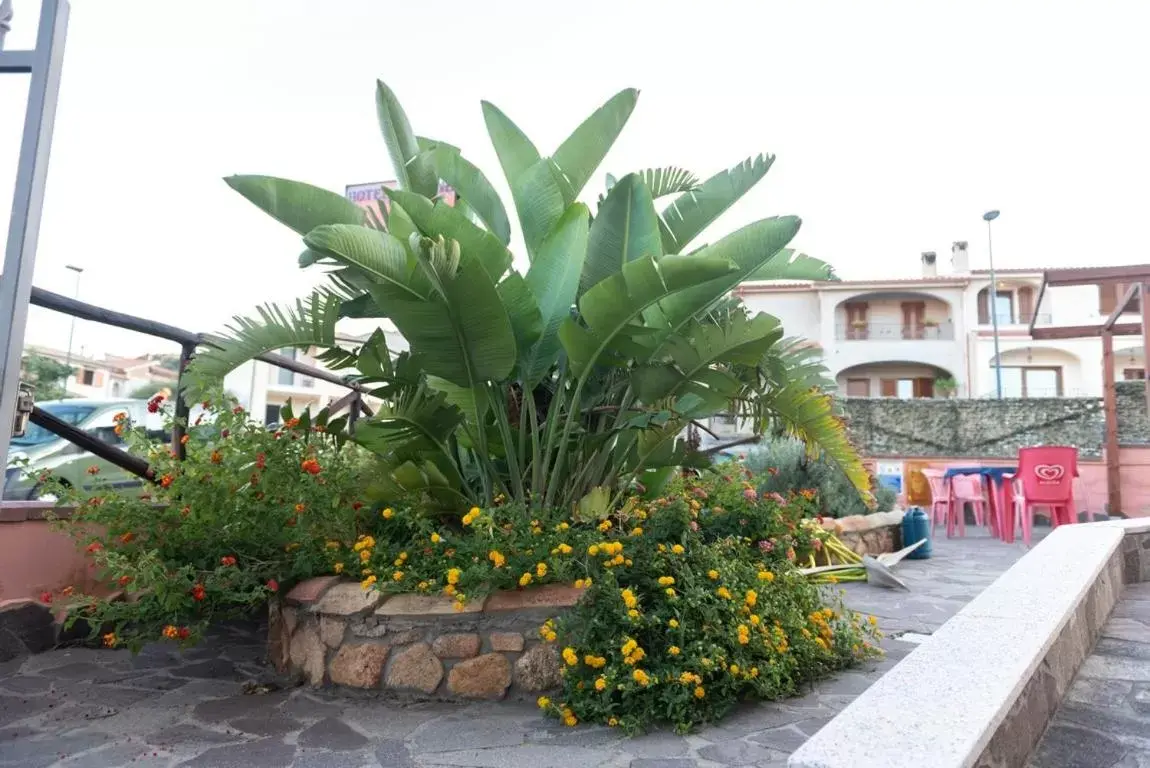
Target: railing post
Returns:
[183, 410]
[44, 64]
[353, 412]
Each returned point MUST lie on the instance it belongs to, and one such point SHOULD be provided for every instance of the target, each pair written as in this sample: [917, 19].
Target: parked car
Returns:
[40, 450]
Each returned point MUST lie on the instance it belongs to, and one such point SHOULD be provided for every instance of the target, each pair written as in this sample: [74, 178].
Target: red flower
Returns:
[357, 505]
[126, 538]
[216, 457]
[198, 592]
[93, 470]
[183, 633]
[45, 597]
[261, 460]
[273, 585]
[154, 404]
[206, 404]
[95, 546]
[311, 466]
[224, 433]
[237, 410]
[166, 480]
[123, 581]
[227, 560]
[291, 423]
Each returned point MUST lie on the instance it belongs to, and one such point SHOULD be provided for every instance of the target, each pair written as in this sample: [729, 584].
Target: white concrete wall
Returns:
[798, 311]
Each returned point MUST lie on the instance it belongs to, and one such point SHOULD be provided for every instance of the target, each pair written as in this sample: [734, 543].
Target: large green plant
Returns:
[563, 383]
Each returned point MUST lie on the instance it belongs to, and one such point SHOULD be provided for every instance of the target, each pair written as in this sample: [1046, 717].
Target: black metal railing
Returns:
[188, 342]
[886, 331]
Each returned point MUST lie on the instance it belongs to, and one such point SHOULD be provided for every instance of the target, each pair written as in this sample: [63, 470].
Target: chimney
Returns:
[929, 264]
[959, 258]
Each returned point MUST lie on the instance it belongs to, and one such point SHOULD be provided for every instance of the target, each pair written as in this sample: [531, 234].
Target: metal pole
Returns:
[72, 328]
[994, 310]
[44, 65]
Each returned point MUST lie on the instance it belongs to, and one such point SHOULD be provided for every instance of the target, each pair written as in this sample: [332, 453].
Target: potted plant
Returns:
[945, 387]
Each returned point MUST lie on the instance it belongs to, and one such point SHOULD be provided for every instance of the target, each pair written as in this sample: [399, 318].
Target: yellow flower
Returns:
[614, 721]
[629, 646]
[453, 575]
[744, 634]
[634, 614]
[497, 558]
[570, 656]
[734, 669]
[366, 583]
[700, 692]
[600, 683]
[543, 702]
[387, 513]
[641, 677]
[629, 598]
[713, 575]
[541, 569]
[564, 549]
[338, 567]
[110, 640]
[754, 671]
[459, 605]
[678, 549]
[397, 576]
[751, 598]
[593, 550]
[364, 542]
[670, 592]
[595, 662]
[766, 576]
[636, 531]
[569, 718]
[872, 621]
[674, 650]
[364, 555]
[666, 581]
[436, 538]
[755, 619]
[525, 579]
[673, 623]
[422, 586]
[605, 526]
[332, 545]
[724, 593]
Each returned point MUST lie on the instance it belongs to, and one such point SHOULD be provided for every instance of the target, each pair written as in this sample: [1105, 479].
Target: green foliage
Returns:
[46, 375]
[784, 464]
[572, 380]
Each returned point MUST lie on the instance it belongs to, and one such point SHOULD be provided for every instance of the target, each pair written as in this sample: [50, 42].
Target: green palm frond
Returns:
[311, 323]
[669, 180]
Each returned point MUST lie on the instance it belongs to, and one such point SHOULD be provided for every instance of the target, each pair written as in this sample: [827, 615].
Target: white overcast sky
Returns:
[896, 124]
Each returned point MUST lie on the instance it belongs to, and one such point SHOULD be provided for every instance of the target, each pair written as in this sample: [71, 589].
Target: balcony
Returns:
[1011, 318]
[887, 331]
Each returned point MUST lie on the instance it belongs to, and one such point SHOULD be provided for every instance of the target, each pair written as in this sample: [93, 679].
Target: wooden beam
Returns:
[1110, 411]
[1085, 331]
[1145, 299]
[1135, 273]
[1037, 304]
[1120, 307]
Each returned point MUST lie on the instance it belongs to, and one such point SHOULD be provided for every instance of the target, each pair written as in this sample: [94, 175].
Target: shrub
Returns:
[784, 464]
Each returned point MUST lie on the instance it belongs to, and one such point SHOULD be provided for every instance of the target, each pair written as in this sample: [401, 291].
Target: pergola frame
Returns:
[1137, 278]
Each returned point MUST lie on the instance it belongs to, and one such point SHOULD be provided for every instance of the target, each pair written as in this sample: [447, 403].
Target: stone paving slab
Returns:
[83, 707]
[1104, 720]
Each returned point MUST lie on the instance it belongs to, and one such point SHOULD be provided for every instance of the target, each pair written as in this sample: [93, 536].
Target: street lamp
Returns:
[988, 217]
[72, 330]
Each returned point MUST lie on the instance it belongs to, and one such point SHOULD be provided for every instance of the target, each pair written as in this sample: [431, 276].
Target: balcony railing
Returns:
[868, 331]
[1007, 318]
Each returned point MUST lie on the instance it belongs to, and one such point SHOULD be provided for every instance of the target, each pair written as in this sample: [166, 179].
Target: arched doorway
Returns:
[904, 380]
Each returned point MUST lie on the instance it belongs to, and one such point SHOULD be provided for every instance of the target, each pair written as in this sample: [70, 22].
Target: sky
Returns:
[895, 126]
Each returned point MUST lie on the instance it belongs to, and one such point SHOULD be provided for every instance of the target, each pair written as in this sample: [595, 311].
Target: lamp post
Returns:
[72, 329]
[988, 217]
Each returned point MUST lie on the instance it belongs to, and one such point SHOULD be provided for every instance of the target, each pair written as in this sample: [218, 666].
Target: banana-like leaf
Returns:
[539, 202]
[472, 185]
[697, 357]
[473, 402]
[463, 333]
[582, 152]
[690, 213]
[516, 152]
[426, 145]
[789, 264]
[669, 180]
[310, 324]
[553, 279]
[300, 206]
[612, 308]
[378, 256]
[626, 228]
[523, 309]
[442, 220]
[412, 171]
[595, 505]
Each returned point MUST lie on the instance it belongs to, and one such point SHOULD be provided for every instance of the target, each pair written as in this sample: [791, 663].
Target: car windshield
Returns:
[70, 412]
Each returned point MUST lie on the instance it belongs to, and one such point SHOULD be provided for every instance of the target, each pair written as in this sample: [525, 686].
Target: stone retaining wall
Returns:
[331, 632]
[869, 534]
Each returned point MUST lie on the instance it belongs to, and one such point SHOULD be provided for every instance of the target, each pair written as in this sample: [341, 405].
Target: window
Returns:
[87, 377]
[1134, 374]
[271, 414]
[1004, 307]
[283, 375]
[907, 389]
[858, 387]
[1028, 382]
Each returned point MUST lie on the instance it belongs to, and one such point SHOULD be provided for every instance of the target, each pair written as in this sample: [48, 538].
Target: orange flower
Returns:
[166, 480]
[227, 561]
[300, 508]
[311, 466]
[291, 423]
[171, 632]
[93, 470]
[126, 538]
[95, 546]
[123, 581]
[216, 457]
[67, 591]
[184, 440]
[198, 592]
[110, 640]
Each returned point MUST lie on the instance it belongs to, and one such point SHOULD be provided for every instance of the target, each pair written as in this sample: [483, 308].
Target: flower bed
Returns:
[333, 632]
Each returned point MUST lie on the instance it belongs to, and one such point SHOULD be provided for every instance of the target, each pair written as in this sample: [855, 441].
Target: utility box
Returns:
[23, 410]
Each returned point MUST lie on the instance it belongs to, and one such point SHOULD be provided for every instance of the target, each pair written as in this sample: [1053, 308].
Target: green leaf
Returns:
[472, 186]
[300, 206]
[376, 255]
[583, 151]
[690, 213]
[411, 171]
[441, 220]
[473, 402]
[612, 306]
[669, 180]
[554, 280]
[523, 310]
[626, 228]
[516, 152]
[595, 505]
[310, 324]
[789, 264]
[539, 202]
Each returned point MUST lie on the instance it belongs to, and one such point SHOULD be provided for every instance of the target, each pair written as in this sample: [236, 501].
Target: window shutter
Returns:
[888, 387]
[1025, 304]
[924, 387]
[984, 306]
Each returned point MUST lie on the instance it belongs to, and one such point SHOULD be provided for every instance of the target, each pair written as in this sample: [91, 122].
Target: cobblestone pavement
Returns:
[80, 707]
[1104, 721]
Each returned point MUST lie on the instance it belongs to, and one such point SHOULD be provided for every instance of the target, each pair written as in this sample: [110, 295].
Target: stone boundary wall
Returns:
[999, 668]
[330, 631]
[869, 534]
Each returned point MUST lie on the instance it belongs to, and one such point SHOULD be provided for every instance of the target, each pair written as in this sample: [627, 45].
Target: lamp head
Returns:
[990, 216]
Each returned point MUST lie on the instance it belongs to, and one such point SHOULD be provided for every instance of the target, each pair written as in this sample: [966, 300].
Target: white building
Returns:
[910, 337]
[110, 378]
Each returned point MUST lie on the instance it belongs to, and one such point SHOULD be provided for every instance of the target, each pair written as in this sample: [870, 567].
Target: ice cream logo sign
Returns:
[372, 196]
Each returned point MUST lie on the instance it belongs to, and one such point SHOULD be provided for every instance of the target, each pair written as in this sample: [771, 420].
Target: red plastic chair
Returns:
[1045, 478]
[939, 495]
[966, 489]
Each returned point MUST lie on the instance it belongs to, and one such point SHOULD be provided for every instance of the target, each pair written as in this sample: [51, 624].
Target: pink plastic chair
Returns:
[966, 489]
[939, 495]
[1045, 479]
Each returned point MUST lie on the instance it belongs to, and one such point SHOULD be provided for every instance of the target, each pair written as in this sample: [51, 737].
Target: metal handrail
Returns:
[887, 331]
